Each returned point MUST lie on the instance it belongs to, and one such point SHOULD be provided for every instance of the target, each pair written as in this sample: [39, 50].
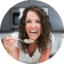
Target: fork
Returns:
[24, 41]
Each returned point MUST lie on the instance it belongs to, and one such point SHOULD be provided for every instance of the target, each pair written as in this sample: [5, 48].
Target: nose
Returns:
[33, 25]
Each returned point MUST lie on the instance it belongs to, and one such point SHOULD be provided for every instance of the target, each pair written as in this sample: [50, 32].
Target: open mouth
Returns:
[33, 32]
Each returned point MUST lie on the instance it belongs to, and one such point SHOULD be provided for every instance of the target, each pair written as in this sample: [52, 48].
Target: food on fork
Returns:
[28, 40]
[25, 40]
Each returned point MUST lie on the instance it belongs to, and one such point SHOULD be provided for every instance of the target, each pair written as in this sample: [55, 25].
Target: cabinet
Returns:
[55, 19]
[23, 3]
[54, 16]
[5, 24]
[38, 2]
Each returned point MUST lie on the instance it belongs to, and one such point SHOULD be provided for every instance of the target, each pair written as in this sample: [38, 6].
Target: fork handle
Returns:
[20, 40]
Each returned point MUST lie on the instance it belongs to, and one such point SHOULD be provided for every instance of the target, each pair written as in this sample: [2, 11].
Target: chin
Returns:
[34, 38]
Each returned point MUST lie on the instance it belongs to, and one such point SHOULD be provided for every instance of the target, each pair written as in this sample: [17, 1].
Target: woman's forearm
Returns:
[12, 52]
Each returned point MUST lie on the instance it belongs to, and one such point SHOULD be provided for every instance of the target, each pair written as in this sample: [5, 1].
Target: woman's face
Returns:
[33, 25]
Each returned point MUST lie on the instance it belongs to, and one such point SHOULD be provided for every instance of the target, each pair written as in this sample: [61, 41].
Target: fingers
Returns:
[7, 38]
[29, 40]
[9, 41]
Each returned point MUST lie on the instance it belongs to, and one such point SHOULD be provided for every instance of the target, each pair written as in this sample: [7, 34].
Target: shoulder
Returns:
[45, 56]
[52, 40]
[51, 35]
[15, 35]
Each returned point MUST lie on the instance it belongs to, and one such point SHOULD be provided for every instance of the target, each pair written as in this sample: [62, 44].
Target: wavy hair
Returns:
[44, 37]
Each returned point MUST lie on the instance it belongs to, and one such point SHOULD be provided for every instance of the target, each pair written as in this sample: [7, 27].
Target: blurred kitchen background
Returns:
[11, 20]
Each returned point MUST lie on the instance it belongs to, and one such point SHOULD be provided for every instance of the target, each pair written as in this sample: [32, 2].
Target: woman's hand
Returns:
[9, 42]
[29, 40]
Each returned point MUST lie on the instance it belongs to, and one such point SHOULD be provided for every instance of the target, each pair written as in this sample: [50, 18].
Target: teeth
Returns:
[33, 31]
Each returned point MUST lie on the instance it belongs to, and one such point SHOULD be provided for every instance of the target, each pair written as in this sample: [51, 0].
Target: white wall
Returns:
[57, 40]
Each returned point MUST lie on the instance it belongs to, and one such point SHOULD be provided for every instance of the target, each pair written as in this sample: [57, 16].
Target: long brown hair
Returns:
[44, 37]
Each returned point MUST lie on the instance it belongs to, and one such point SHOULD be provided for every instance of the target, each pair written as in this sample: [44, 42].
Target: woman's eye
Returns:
[38, 21]
[28, 21]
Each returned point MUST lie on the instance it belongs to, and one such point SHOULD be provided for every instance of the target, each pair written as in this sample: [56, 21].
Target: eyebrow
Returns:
[30, 19]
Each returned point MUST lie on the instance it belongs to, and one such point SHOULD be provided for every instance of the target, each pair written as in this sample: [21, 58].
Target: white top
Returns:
[61, 43]
[25, 58]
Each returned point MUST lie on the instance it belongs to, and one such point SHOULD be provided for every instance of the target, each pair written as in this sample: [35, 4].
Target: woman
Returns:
[34, 25]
